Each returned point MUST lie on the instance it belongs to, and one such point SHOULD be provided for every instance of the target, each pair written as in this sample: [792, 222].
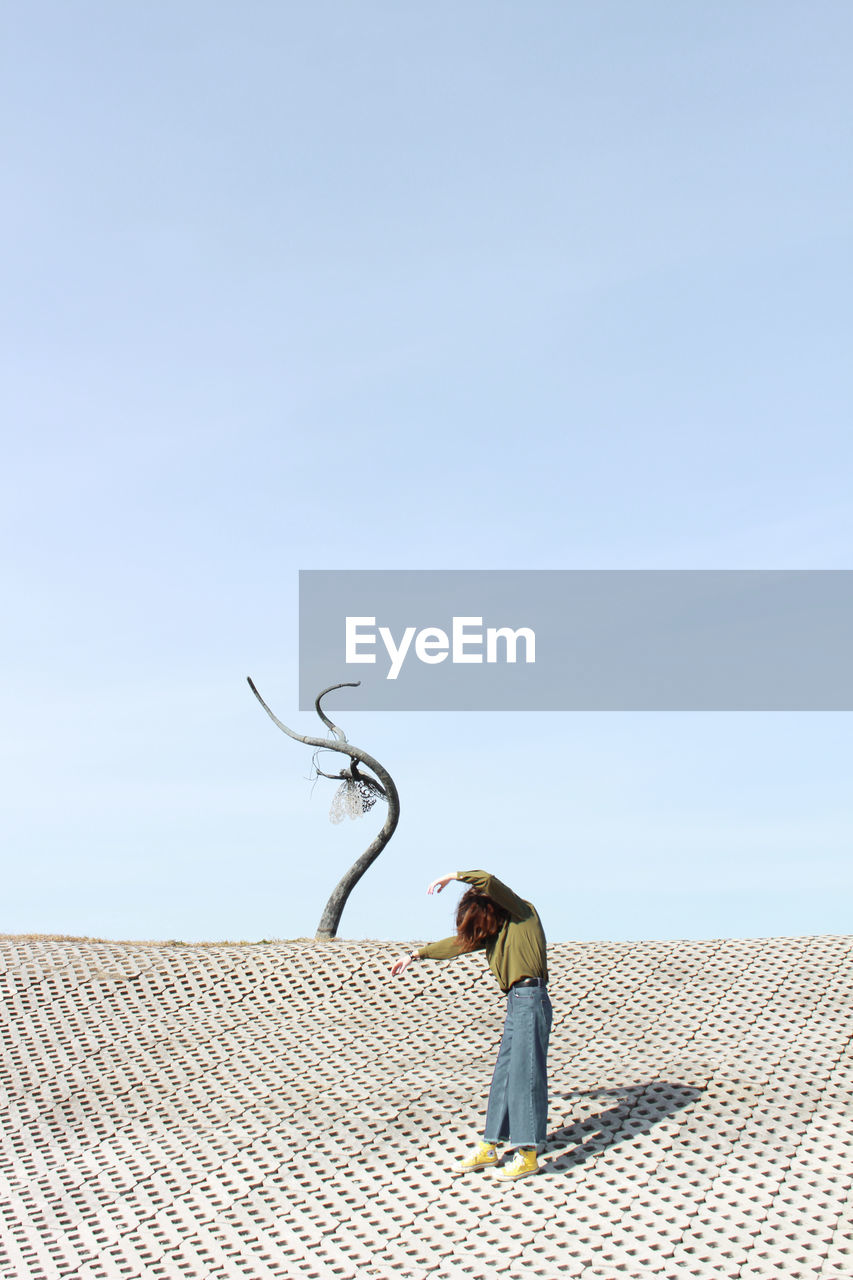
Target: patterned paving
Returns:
[287, 1110]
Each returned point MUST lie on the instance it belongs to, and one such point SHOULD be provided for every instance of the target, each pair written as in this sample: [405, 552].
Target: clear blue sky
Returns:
[398, 285]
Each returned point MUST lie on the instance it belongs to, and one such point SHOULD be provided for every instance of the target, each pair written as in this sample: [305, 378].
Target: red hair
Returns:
[478, 918]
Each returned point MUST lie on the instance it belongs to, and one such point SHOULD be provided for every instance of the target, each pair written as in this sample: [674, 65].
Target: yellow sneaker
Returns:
[522, 1164]
[481, 1157]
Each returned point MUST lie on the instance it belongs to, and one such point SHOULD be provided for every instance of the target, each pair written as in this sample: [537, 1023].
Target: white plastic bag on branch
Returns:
[352, 799]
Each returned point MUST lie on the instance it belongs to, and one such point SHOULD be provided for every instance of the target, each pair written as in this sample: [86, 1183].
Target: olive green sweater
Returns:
[518, 951]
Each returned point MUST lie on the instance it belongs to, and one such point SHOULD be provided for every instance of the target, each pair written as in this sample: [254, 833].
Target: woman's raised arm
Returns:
[438, 885]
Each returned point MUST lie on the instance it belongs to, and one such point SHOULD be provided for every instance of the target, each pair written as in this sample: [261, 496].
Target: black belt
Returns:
[530, 982]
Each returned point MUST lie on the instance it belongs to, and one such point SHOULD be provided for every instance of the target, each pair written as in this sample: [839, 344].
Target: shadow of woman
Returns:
[634, 1109]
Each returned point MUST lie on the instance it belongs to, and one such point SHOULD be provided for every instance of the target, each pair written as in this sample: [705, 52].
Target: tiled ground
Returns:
[287, 1110]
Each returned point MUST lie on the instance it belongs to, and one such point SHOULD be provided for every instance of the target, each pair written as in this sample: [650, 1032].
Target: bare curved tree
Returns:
[353, 779]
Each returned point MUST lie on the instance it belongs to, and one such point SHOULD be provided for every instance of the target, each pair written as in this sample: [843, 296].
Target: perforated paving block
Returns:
[262, 1111]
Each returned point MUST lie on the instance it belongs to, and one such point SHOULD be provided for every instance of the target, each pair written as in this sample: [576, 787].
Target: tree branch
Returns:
[331, 916]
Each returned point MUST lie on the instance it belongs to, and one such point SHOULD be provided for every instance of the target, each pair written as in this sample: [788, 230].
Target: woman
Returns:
[492, 918]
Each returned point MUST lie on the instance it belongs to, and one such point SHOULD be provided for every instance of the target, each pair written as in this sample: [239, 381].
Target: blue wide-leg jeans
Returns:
[518, 1099]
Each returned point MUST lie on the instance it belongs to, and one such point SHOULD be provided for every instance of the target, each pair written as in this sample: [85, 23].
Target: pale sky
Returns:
[410, 286]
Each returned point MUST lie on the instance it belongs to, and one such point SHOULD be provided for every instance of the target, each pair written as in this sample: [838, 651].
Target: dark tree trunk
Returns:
[331, 917]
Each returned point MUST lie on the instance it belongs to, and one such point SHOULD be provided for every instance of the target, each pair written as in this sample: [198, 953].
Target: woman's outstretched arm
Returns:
[443, 950]
[402, 963]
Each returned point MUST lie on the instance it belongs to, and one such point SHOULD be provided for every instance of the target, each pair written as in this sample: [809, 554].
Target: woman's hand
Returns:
[438, 885]
[401, 964]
